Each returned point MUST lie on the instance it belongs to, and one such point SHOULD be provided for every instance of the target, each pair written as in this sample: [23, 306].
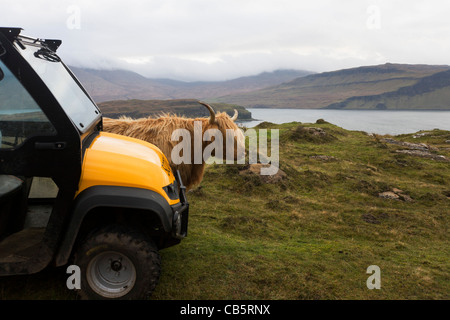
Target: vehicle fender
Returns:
[111, 196]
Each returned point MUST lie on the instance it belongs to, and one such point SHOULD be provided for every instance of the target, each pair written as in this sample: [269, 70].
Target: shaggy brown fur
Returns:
[159, 132]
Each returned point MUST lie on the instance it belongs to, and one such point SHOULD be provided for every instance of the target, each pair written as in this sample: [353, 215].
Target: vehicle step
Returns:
[38, 215]
[23, 252]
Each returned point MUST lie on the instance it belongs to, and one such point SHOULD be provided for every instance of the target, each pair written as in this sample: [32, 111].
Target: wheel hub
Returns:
[116, 265]
[111, 274]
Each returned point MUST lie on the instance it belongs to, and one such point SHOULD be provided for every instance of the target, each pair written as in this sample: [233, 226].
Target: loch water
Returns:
[391, 122]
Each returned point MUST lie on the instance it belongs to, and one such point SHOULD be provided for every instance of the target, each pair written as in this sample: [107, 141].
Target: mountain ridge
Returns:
[387, 86]
[108, 85]
[333, 89]
[424, 86]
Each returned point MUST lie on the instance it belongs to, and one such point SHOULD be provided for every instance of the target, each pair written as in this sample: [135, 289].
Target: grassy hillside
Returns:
[431, 92]
[186, 107]
[355, 88]
[313, 234]
[348, 201]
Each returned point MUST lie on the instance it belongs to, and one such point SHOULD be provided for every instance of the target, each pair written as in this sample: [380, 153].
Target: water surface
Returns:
[371, 121]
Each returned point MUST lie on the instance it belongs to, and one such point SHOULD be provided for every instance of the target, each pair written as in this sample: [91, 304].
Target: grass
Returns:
[311, 235]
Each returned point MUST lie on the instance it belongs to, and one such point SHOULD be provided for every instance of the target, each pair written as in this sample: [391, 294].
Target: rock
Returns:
[389, 195]
[396, 194]
[409, 145]
[423, 154]
[316, 131]
[312, 134]
[417, 149]
[418, 135]
[255, 169]
[447, 141]
[405, 198]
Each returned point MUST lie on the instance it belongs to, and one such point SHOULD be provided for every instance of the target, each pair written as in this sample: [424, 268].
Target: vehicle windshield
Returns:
[20, 115]
[77, 105]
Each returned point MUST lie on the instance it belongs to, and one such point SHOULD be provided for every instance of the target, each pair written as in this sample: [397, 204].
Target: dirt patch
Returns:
[374, 218]
[324, 158]
[255, 171]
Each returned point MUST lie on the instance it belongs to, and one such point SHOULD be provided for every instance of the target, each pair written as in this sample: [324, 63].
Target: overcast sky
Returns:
[223, 39]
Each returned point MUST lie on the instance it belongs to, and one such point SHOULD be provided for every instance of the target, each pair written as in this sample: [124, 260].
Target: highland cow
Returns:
[162, 131]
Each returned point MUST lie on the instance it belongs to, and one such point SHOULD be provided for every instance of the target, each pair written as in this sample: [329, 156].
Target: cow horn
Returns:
[212, 118]
[235, 115]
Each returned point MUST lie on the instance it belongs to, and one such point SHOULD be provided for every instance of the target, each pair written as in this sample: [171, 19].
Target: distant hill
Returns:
[388, 86]
[107, 85]
[184, 107]
[431, 92]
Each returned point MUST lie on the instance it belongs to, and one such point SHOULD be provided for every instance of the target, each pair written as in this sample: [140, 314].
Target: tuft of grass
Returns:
[311, 134]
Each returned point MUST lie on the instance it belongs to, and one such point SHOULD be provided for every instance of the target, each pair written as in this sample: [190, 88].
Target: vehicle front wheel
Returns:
[118, 263]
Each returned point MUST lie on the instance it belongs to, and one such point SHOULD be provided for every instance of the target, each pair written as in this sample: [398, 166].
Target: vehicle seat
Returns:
[10, 186]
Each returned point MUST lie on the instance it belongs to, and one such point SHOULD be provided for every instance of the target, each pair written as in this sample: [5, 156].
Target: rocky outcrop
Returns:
[311, 134]
[424, 154]
[395, 194]
[409, 145]
[416, 149]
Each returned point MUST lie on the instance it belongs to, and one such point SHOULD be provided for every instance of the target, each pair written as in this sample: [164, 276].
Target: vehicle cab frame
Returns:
[49, 127]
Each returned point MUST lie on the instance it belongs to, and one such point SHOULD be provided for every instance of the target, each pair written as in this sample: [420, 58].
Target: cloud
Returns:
[216, 39]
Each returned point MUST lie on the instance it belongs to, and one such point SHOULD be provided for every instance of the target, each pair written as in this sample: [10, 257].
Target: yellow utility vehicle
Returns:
[72, 194]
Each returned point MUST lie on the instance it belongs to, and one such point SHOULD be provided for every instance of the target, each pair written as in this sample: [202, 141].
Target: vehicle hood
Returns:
[117, 160]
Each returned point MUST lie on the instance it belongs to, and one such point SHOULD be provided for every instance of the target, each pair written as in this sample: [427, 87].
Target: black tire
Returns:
[118, 263]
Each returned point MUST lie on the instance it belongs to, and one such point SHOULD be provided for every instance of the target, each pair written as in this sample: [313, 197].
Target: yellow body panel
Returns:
[116, 160]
